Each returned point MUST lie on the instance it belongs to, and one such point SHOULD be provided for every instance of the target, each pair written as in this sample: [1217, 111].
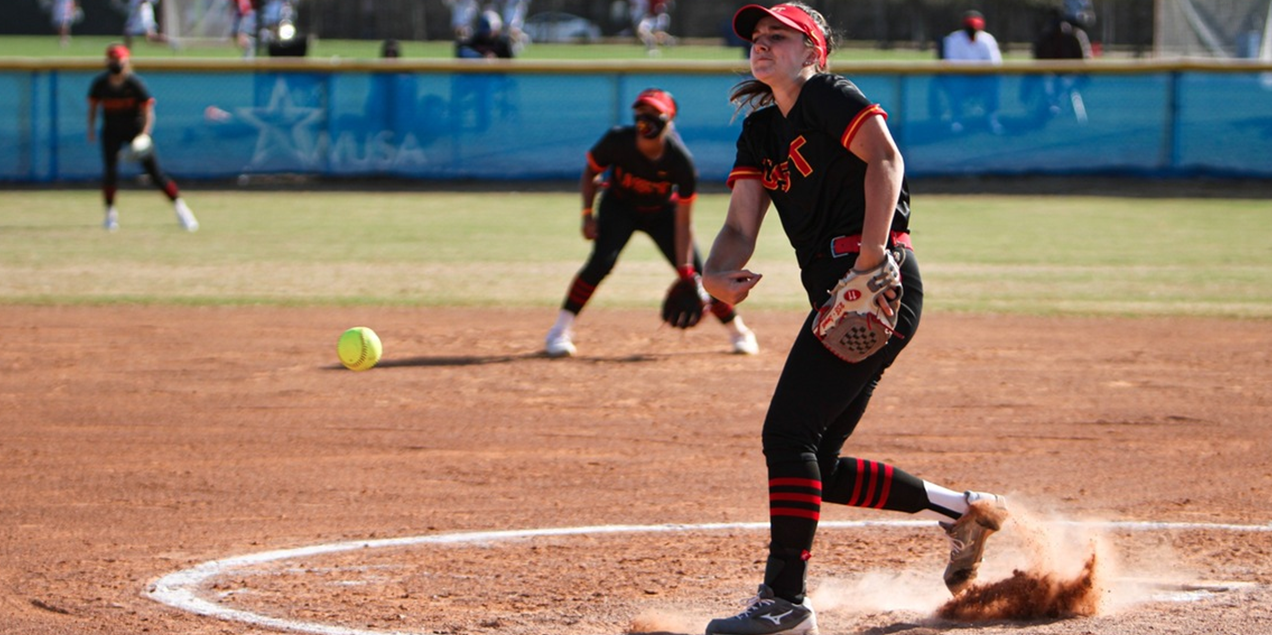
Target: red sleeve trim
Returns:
[740, 174]
[857, 121]
[596, 167]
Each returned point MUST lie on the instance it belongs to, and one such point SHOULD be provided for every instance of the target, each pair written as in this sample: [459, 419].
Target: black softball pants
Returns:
[818, 402]
[616, 222]
[112, 142]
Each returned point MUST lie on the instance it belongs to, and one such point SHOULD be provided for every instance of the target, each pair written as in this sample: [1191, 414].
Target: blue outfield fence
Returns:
[514, 120]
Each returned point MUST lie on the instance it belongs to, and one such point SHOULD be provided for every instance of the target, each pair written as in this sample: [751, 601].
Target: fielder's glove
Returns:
[682, 308]
[851, 324]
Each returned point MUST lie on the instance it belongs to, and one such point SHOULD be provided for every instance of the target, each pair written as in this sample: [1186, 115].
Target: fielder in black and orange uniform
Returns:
[127, 113]
[649, 183]
[818, 150]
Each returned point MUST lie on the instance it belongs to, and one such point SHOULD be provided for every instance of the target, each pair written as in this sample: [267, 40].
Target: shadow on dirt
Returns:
[482, 360]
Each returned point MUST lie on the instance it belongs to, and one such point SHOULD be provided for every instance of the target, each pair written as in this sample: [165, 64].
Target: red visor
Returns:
[117, 52]
[659, 100]
[747, 17]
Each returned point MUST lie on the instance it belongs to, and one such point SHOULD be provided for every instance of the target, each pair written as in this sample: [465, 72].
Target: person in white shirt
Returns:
[972, 44]
[141, 23]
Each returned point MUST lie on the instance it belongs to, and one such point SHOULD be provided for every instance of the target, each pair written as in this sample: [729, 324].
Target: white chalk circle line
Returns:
[180, 589]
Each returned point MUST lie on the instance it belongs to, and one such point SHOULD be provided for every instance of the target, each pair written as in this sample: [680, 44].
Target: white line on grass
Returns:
[181, 589]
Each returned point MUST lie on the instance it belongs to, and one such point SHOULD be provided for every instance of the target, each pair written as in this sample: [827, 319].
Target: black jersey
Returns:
[816, 184]
[638, 181]
[122, 106]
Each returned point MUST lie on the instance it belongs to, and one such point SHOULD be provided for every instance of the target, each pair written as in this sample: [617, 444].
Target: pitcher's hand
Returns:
[730, 286]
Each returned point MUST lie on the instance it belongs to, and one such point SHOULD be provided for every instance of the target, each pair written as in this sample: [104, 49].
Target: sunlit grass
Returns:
[1015, 254]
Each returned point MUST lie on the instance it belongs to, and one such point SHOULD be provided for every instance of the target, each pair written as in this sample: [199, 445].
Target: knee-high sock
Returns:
[863, 483]
[580, 292]
[723, 311]
[171, 190]
[795, 495]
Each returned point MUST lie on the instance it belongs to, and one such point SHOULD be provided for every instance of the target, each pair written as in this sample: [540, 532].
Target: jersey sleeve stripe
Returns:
[857, 121]
[596, 167]
[739, 174]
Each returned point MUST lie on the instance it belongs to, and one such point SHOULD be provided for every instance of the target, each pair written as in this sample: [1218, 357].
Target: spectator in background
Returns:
[278, 29]
[487, 41]
[972, 44]
[141, 23]
[271, 15]
[390, 49]
[514, 19]
[64, 14]
[483, 96]
[1061, 38]
[463, 15]
[243, 27]
[653, 20]
[1080, 13]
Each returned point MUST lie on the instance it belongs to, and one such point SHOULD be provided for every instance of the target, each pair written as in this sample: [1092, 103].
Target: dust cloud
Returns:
[663, 621]
[1062, 569]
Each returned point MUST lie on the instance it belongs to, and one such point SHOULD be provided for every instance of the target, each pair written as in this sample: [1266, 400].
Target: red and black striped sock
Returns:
[863, 483]
[794, 510]
[580, 293]
[723, 311]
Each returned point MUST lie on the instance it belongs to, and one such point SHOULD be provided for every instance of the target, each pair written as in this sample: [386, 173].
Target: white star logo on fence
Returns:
[286, 131]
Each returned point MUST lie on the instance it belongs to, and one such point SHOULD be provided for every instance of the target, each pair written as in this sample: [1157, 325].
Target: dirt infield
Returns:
[141, 441]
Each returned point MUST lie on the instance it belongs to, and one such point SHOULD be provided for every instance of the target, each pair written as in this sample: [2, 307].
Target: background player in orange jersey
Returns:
[128, 113]
[648, 183]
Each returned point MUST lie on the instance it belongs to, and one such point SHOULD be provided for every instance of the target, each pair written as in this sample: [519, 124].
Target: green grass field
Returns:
[1010, 254]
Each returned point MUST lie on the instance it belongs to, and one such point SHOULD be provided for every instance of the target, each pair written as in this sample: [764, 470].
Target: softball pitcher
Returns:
[649, 184]
[814, 147]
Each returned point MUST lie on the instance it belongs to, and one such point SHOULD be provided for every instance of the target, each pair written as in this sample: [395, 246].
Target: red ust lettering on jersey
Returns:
[777, 176]
[798, 159]
[638, 185]
[119, 104]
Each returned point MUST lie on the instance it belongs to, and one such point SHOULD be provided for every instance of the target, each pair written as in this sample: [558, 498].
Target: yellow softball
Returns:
[359, 348]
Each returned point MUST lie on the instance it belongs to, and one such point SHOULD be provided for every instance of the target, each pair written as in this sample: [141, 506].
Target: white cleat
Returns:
[559, 343]
[112, 220]
[185, 216]
[744, 342]
[985, 515]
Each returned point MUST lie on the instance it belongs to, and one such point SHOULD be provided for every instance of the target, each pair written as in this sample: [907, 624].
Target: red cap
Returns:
[747, 17]
[974, 19]
[117, 52]
[659, 100]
